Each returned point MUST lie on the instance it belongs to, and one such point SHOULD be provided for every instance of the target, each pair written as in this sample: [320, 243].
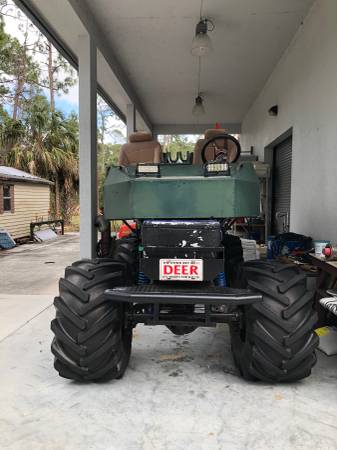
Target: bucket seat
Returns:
[141, 148]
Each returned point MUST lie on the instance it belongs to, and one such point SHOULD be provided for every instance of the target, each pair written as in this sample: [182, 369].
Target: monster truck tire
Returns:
[126, 251]
[275, 341]
[91, 342]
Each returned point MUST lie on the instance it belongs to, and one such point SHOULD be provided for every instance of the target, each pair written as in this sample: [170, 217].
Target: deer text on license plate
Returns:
[181, 269]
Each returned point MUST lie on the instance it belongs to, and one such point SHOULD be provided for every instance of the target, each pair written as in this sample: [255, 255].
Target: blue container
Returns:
[289, 246]
[270, 247]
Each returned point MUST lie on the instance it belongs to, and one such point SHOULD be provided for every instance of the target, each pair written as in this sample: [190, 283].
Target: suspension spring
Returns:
[143, 279]
[220, 280]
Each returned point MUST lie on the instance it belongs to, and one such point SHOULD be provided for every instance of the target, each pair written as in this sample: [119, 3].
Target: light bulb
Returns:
[198, 108]
[201, 45]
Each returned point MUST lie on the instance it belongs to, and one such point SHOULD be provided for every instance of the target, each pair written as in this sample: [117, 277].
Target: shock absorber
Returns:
[142, 281]
[220, 280]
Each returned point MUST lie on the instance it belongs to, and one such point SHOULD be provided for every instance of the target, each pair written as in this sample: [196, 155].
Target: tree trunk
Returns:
[20, 83]
[22, 75]
[57, 198]
[51, 78]
[16, 102]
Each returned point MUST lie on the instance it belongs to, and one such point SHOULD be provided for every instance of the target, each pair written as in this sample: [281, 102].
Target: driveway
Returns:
[179, 393]
[29, 277]
[36, 268]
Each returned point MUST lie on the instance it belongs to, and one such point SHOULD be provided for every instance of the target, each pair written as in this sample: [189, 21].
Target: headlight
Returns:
[216, 168]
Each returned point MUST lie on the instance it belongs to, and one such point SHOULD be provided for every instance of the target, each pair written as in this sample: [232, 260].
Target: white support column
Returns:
[130, 119]
[88, 145]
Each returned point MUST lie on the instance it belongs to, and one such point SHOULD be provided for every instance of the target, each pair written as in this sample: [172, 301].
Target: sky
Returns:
[66, 102]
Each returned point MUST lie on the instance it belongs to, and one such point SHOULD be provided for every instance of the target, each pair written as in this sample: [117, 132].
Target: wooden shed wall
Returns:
[31, 202]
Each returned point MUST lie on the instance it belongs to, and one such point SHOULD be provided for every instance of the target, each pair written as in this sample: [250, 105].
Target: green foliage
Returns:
[29, 65]
[108, 155]
[19, 72]
[11, 131]
[48, 147]
[34, 136]
[112, 154]
[177, 143]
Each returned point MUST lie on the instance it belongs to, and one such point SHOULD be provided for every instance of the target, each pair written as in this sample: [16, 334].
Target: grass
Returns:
[74, 225]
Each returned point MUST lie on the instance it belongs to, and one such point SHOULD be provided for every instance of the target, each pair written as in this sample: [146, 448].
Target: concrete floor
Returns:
[36, 268]
[179, 393]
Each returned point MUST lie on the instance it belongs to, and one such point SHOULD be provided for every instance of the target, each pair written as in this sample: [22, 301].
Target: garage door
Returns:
[281, 186]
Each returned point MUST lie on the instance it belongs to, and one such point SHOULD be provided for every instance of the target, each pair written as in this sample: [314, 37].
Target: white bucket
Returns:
[319, 246]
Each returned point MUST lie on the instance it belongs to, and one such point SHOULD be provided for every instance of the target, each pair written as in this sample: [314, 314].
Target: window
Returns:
[7, 201]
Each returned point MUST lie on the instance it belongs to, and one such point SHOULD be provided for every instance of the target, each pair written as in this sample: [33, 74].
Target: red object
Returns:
[217, 125]
[124, 230]
[327, 251]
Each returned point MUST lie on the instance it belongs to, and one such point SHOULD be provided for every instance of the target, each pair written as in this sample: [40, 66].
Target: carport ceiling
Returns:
[151, 41]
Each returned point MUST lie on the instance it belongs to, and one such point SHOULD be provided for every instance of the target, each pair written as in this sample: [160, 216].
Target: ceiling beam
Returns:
[85, 15]
[47, 30]
[233, 128]
[130, 119]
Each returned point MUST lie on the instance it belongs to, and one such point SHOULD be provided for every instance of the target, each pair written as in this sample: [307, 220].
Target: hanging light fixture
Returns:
[198, 108]
[202, 44]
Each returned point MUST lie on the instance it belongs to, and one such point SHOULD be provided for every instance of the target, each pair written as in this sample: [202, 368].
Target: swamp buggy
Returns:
[180, 268]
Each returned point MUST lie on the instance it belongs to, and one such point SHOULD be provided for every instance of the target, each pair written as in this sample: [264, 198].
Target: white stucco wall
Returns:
[304, 85]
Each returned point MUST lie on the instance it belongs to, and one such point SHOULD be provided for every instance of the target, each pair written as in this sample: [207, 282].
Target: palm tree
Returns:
[49, 148]
[61, 141]
[11, 131]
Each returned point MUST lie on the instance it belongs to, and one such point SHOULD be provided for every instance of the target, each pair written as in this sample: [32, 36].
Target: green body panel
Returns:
[182, 192]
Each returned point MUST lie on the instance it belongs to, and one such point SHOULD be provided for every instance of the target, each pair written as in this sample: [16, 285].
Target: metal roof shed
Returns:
[8, 174]
[23, 198]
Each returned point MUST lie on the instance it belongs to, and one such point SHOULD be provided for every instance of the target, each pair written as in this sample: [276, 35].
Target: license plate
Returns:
[181, 269]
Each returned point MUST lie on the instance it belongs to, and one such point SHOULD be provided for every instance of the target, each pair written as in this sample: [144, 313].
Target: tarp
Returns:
[6, 240]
